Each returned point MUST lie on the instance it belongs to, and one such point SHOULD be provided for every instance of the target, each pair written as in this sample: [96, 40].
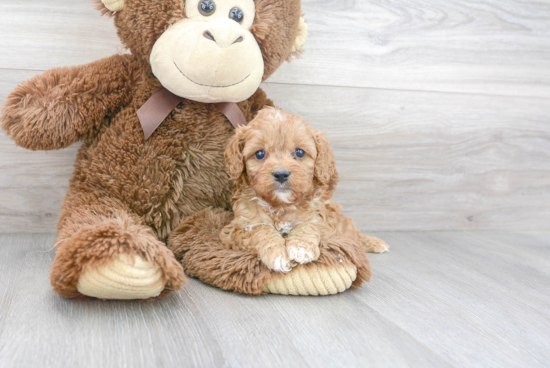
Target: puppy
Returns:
[285, 176]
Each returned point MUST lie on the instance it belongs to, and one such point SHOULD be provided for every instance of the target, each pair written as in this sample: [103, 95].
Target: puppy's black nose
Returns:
[281, 175]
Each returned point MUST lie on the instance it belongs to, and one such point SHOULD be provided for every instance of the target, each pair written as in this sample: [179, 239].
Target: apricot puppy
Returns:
[285, 176]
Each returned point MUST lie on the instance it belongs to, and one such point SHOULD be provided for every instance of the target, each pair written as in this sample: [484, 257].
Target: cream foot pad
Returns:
[313, 280]
[114, 5]
[123, 280]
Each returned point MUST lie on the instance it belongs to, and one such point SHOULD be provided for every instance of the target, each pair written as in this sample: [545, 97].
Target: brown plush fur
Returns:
[197, 243]
[95, 235]
[128, 194]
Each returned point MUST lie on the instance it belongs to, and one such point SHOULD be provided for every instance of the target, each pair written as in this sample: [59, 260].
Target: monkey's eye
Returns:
[299, 153]
[207, 7]
[236, 14]
[260, 155]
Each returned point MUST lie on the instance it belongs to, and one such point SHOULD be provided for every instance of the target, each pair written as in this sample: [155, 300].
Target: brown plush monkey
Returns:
[127, 193]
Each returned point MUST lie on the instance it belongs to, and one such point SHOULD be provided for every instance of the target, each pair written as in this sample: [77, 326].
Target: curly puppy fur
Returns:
[282, 202]
[127, 194]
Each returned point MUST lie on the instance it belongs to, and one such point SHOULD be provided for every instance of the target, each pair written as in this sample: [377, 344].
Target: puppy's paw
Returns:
[276, 259]
[281, 264]
[303, 250]
[300, 255]
[374, 245]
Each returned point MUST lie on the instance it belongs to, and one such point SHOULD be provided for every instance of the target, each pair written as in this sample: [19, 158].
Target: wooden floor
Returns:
[437, 299]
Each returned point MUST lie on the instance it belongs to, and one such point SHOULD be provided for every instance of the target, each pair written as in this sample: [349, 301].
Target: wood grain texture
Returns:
[453, 286]
[482, 46]
[42, 34]
[411, 154]
[442, 299]
[407, 160]
[433, 161]
[486, 46]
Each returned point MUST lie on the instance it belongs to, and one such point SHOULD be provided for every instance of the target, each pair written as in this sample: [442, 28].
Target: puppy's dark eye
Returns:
[260, 155]
[236, 14]
[207, 7]
[299, 153]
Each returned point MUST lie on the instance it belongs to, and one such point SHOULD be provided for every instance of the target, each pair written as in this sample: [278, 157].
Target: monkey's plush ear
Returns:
[107, 6]
[234, 160]
[325, 165]
[301, 37]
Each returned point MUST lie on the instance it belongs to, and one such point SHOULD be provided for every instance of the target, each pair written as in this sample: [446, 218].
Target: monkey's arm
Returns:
[64, 105]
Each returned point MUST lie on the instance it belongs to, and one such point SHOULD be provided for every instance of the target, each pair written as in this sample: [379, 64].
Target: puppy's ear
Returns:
[234, 160]
[325, 166]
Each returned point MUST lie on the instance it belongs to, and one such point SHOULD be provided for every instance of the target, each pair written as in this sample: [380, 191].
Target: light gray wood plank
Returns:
[488, 46]
[42, 34]
[436, 300]
[28, 209]
[41, 329]
[200, 326]
[484, 46]
[477, 299]
[314, 332]
[431, 161]
[407, 160]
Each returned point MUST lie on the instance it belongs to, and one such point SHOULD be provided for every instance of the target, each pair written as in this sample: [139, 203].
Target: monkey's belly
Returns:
[174, 174]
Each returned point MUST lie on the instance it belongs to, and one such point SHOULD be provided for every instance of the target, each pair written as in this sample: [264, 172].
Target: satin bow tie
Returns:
[162, 103]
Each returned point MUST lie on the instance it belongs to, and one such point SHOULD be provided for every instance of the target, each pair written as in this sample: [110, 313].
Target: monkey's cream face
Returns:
[210, 56]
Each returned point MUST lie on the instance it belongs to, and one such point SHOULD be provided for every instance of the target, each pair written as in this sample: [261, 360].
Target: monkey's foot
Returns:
[122, 278]
[115, 259]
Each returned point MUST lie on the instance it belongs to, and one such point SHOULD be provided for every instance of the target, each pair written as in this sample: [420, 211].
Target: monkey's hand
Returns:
[64, 105]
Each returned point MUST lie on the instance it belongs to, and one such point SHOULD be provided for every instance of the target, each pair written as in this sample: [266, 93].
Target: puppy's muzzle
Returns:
[281, 176]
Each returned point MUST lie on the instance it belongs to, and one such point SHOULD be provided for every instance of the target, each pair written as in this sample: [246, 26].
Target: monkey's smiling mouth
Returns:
[208, 85]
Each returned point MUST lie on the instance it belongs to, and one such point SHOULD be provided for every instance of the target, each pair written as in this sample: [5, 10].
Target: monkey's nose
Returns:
[281, 176]
[222, 43]
[208, 35]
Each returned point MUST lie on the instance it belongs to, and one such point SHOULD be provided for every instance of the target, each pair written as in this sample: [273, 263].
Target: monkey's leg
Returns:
[196, 242]
[104, 251]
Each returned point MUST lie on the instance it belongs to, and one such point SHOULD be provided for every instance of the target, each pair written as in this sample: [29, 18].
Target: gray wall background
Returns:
[438, 111]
